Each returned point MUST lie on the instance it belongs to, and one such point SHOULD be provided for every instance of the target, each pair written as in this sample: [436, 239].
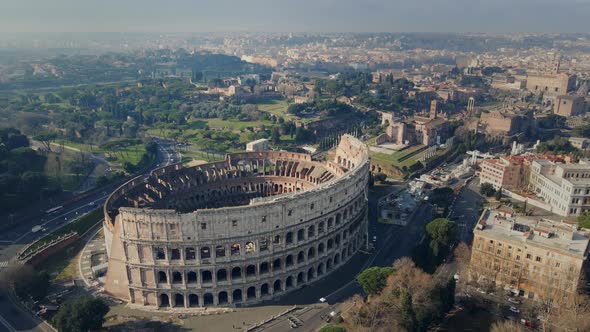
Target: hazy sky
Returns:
[295, 15]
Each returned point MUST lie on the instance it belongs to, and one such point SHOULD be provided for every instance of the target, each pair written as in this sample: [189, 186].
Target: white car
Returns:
[515, 301]
[322, 299]
[514, 309]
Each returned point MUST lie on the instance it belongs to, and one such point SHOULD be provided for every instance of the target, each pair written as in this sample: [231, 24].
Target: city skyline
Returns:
[301, 16]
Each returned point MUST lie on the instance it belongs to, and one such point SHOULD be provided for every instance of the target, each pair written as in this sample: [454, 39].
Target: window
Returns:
[160, 253]
[529, 256]
[290, 212]
[557, 264]
[538, 259]
[234, 223]
[203, 225]
[263, 218]
[312, 206]
[517, 257]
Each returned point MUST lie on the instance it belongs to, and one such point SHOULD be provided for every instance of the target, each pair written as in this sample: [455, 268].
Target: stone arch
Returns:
[178, 300]
[330, 222]
[193, 300]
[237, 295]
[276, 265]
[220, 251]
[251, 271]
[300, 257]
[264, 289]
[164, 301]
[235, 249]
[222, 297]
[300, 235]
[300, 278]
[162, 277]
[251, 293]
[329, 264]
[338, 218]
[236, 272]
[320, 269]
[190, 254]
[206, 276]
[222, 275]
[311, 253]
[263, 268]
[208, 299]
[205, 253]
[310, 273]
[289, 260]
[191, 277]
[288, 282]
[289, 238]
[176, 277]
[277, 287]
[330, 244]
[310, 231]
[336, 259]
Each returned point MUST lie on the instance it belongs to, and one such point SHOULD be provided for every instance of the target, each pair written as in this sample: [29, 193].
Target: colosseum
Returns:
[240, 231]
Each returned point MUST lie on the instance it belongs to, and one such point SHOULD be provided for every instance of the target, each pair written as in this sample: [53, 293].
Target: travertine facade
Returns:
[243, 230]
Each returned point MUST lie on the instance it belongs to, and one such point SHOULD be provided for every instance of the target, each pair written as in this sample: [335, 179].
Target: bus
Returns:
[55, 209]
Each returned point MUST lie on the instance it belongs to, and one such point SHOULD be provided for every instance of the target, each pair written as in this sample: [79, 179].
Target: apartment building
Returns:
[565, 187]
[533, 257]
[506, 172]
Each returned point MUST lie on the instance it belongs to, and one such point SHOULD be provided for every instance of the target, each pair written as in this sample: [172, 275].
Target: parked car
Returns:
[514, 309]
[514, 301]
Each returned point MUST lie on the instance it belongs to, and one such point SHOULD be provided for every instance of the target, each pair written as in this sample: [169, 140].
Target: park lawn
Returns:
[276, 107]
[131, 154]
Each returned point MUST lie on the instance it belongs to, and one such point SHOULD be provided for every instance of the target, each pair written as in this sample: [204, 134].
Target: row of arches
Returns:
[252, 293]
[238, 273]
[252, 247]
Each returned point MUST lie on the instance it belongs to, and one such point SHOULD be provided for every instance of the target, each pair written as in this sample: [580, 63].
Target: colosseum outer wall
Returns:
[243, 253]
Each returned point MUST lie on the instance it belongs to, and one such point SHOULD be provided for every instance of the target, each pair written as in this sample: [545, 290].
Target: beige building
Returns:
[568, 105]
[565, 187]
[534, 257]
[257, 145]
[506, 172]
[247, 229]
[561, 83]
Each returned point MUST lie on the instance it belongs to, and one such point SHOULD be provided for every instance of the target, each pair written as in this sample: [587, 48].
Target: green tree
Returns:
[441, 232]
[498, 194]
[380, 177]
[487, 189]
[82, 314]
[374, 279]
[584, 219]
[46, 139]
[29, 283]
[276, 135]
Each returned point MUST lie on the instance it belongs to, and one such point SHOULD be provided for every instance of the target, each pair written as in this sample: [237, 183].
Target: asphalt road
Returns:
[12, 316]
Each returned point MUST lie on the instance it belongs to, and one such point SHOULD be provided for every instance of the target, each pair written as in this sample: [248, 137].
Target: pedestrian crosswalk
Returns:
[3, 264]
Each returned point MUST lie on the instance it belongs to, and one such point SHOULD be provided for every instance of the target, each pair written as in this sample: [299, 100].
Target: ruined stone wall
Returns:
[242, 254]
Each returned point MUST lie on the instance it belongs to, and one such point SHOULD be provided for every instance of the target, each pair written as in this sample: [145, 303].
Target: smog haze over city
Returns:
[304, 165]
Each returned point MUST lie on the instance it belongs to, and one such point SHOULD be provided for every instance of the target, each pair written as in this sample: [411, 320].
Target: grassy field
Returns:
[277, 107]
[130, 154]
[393, 159]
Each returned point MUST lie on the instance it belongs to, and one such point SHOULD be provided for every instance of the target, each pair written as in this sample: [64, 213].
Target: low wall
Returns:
[43, 254]
[529, 200]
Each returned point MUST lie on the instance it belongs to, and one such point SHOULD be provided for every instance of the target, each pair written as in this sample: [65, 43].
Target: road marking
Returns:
[8, 326]
[3, 264]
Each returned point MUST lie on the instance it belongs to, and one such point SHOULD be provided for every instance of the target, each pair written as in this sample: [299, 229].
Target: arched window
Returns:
[221, 275]
[289, 238]
[300, 257]
[235, 249]
[264, 290]
[191, 277]
[176, 277]
[289, 260]
[237, 295]
[300, 235]
[263, 268]
[205, 253]
[178, 300]
[222, 298]
[175, 254]
[190, 254]
[321, 227]
[236, 272]
[164, 301]
[320, 248]
[208, 299]
[251, 293]
[162, 277]
[276, 265]
[193, 300]
[310, 231]
[206, 277]
[311, 253]
[277, 286]
[251, 271]
[220, 251]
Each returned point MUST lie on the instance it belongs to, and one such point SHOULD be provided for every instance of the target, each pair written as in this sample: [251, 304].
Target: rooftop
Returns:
[554, 235]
